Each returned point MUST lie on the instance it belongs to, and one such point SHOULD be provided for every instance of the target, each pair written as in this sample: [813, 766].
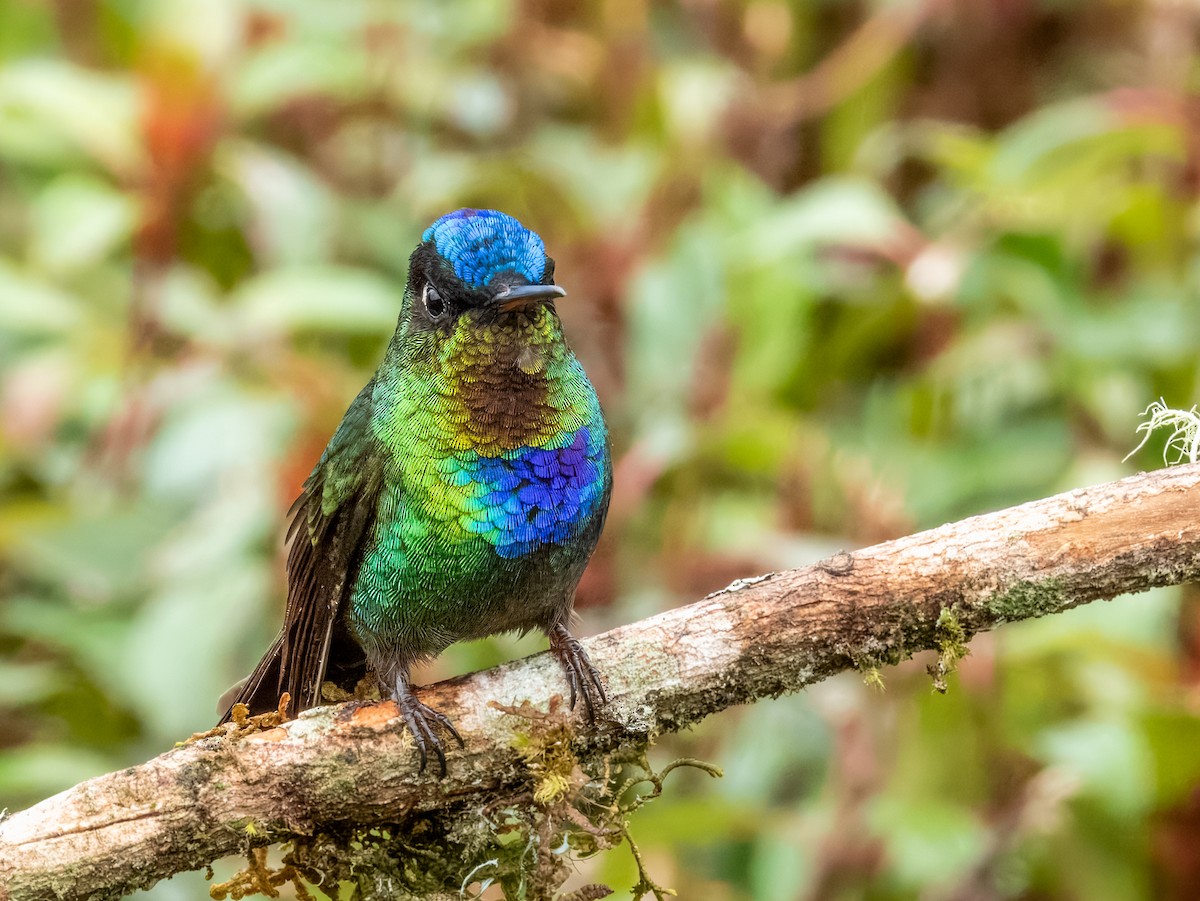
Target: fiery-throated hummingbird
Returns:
[461, 495]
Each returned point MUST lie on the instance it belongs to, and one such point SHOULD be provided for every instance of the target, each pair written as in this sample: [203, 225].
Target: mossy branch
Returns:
[346, 767]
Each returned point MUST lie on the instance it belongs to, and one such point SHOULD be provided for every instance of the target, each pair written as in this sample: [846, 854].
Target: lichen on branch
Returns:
[346, 770]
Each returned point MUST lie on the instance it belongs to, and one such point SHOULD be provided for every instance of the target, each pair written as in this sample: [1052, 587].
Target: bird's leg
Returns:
[423, 721]
[582, 677]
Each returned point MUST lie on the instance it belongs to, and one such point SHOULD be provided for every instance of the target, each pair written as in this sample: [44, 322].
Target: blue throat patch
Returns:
[481, 244]
[535, 496]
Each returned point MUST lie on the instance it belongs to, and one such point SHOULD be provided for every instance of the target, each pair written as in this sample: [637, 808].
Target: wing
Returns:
[331, 526]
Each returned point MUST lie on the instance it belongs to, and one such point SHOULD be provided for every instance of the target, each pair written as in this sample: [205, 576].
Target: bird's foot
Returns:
[423, 722]
[582, 678]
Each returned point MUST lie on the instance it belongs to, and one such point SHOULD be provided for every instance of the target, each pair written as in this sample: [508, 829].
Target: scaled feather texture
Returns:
[463, 492]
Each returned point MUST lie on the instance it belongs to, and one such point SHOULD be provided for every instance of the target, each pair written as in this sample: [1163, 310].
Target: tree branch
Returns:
[350, 765]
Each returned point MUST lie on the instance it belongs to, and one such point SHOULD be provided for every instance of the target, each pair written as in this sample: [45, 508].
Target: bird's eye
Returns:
[434, 305]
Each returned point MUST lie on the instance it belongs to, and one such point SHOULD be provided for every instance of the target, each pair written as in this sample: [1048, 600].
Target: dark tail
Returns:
[260, 691]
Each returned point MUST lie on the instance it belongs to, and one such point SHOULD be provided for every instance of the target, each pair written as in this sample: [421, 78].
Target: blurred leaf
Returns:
[27, 683]
[175, 685]
[91, 636]
[286, 71]
[604, 182]
[24, 29]
[31, 307]
[189, 304]
[659, 338]
[760, 773]
[461, 23]
[103, 556]
[1173, 737]
[695, 95]
[325, 298]
[930, 842]
[40, 770]
[214, 433]
[1074, 138]
[1111, 758]
[51, 110]
[697, 821]
[1159, 328]
[781, 863]
[295, 216]
[834, 210]
[77, 221]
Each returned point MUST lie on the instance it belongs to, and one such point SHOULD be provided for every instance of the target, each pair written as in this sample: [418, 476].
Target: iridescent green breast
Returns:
[508, 421]
[499, 456]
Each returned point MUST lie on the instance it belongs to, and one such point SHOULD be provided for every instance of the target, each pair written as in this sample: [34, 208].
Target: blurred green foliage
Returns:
[840, 270]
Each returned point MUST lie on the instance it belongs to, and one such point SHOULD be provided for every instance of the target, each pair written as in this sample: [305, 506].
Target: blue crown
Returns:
[483, 243]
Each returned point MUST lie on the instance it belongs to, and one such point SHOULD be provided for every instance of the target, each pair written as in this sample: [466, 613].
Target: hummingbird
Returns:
[462, 494]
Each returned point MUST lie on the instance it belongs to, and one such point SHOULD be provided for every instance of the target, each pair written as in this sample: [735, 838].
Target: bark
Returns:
[350, 765]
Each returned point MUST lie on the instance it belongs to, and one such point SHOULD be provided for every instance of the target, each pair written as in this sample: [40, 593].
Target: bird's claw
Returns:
[423, 722]
[583, 679]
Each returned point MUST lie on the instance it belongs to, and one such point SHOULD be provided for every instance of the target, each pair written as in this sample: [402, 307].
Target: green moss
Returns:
[522, 845]
[876, 655]
[951, 640]
[873, 678]
[549, 757]
[254, 832]
[1027, 600]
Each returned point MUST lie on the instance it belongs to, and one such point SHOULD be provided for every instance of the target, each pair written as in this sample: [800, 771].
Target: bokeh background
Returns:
[839, 270]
